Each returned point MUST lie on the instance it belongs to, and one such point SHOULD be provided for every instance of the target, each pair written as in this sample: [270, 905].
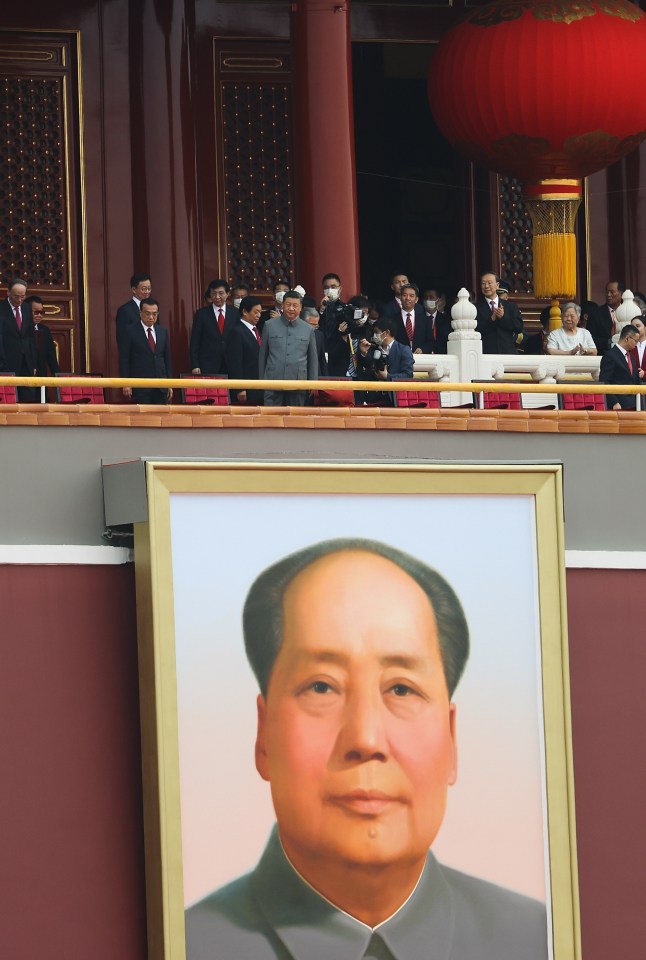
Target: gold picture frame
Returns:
[478, 489]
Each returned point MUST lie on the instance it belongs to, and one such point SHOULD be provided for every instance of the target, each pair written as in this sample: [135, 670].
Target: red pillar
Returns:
[326, 190]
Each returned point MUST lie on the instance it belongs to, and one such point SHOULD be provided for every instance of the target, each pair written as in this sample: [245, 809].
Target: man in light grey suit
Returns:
[357, 739]
[288, 352]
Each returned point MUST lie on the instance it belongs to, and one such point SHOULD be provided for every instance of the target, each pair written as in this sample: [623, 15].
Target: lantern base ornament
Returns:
[553, 206]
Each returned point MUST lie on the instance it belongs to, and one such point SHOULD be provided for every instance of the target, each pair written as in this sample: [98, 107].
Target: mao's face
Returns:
[357, 735]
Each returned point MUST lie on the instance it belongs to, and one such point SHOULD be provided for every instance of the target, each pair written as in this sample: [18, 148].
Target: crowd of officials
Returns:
[305, 338]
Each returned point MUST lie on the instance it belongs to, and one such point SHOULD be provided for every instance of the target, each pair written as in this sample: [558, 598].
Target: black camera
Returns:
[375, 360]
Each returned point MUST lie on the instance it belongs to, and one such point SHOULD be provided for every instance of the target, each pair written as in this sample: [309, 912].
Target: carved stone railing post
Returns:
[465, 343]
[627, 310]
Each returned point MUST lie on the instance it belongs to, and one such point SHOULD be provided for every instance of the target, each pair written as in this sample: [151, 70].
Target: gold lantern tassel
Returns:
[553, 207]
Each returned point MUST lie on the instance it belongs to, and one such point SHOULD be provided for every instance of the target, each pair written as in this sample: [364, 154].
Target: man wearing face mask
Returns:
[279, 288]
[398, 357]
[239, 292]
[337, 323]
[434, 304]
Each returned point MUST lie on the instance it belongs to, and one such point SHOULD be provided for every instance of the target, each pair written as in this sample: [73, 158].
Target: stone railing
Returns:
[466, 362]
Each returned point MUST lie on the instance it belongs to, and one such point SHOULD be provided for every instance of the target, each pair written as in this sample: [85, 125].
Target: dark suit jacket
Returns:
[207, 344]
[136, 359]
[422, 333]
[18, 346]
[242, 351]
[127, 314]
[392, 310]
[614, 369]
[535, 344]
[320, 349]
[46, 362]
[440, 324]
[600, 328]
[498, 336]
[400, 362]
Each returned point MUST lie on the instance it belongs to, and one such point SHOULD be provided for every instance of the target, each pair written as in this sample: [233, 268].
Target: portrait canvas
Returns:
[493, 536]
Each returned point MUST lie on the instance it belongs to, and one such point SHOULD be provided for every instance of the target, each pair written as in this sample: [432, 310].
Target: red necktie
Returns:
[409, 328]
[151, 340]
[492, 304]
[221, 320]
[257, 336]
[19, 318]
[629, 361]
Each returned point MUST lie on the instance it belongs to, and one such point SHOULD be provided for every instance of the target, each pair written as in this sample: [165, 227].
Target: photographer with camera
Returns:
[342, 325]
[384, 358]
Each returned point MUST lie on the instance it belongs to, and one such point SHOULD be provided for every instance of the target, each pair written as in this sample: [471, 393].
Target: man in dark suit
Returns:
[144, 352]
[45, 348]
[392, 307]
[17, 337]
[602, 323]
[211, 326]
[618, 367]
[398, 356]
[242, 350]
[128, 313]
[439, 321]
[412, 322]
[497, 321]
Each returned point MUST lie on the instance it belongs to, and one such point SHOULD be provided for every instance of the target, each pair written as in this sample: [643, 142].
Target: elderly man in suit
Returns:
[144, 352]
[211, 326]
[288, 352]
[17, 337]
[498, 321]
[619, 366]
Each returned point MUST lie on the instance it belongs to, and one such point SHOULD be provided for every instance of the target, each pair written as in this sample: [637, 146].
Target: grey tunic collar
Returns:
[311, 928]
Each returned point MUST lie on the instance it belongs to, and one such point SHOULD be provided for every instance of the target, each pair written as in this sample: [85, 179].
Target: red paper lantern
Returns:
[548, 92]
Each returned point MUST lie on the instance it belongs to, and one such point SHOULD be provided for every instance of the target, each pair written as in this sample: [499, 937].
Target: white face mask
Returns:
[237, 302]
[430, 305]
[378, 338]
[332, 293]
[280, 296]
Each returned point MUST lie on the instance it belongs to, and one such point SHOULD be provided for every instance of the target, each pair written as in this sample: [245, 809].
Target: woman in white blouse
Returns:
[571, 338]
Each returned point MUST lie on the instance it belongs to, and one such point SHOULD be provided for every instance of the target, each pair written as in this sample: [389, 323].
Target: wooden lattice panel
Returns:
[256, 162]
[33, 239]
[516, 259]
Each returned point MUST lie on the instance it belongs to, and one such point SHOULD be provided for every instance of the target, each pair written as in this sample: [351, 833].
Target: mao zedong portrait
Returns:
[357, 741]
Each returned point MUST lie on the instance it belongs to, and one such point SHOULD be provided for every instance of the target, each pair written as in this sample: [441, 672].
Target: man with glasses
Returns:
[620, 368]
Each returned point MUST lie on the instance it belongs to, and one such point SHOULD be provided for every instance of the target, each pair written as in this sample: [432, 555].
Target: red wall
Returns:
[608, 666]
[73, 879]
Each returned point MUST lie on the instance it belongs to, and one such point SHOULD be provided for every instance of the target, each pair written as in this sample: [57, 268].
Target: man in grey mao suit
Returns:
[356, 737]
[288, 352]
